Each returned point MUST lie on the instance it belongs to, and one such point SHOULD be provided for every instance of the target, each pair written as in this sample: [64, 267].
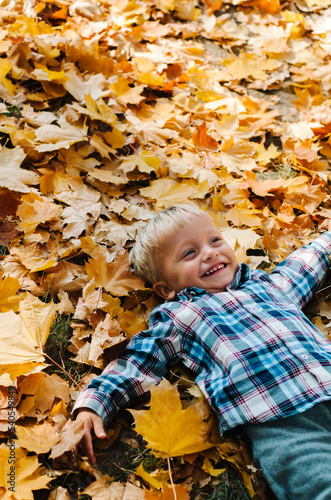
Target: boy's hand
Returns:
[92, 424]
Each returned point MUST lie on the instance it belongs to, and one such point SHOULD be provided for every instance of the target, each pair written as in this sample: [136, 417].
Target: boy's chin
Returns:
[215, 290]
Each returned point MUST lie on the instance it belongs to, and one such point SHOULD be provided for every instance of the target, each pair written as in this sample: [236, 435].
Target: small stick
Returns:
[171, 480]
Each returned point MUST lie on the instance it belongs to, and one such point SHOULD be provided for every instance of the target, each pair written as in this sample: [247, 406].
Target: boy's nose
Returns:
[210, 253]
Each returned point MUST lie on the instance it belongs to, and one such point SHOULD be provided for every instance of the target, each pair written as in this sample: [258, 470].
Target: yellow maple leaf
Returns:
[115, 138]
[23, 336]
[167, 192]
[210, 469]
[151, 79]
[242, 215]
[115, 277]
[97, 109]
[43, 73]
[264, 155]
[101, 146]
[28, 25]
[78, 160]
[155, 478]
[29, 475]
[250, 65]
[14, 370]
[170, 430]
[81, 85]
[8, 290]
[145, 162]
[131, 323]
[241, 238]
[5, 67]
[126, 94]
[38, 438]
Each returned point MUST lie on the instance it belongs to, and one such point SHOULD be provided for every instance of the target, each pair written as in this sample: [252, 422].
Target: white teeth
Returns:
[216, 268]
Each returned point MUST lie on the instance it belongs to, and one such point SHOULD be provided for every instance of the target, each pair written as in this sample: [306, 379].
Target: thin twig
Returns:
[61, 368]
[171, 480]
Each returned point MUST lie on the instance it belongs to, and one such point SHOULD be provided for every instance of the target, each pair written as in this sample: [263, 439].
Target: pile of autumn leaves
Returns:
[109, 113]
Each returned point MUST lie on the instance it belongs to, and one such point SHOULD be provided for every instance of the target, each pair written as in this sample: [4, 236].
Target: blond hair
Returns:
[154, 235]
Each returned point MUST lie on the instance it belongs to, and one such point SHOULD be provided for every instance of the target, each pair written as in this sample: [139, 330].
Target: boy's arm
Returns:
[144, 362]
[301, 274]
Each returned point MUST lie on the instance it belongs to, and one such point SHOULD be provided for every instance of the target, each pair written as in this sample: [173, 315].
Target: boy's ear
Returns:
[163, 290]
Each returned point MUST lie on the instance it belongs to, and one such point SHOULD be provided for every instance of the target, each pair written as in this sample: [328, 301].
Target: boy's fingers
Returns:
[93, 424]
[99, 430]
[88, 446]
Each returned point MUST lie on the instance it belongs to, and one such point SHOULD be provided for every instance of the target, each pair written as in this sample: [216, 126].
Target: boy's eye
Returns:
[215, 239]
[188, 252]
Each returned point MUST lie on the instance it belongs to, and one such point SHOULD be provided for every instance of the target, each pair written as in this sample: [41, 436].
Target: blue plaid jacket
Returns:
[255, 355]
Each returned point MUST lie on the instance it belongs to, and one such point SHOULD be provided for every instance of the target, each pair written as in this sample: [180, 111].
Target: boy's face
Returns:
[195, 256]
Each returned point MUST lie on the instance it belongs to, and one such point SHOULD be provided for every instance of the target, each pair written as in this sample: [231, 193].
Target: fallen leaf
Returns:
[8, 231]
[102, 490]
[11, 175]
[203, 140]
[70, 435]
[45, 389]
[167, 192]
[182, 493]
[170, 430]
[8, 294]
[37, 318]
[114, 277]
[250, 65]
[53, 137]
[34, 211]
[37, 438]
[9, 201]
[29, 474]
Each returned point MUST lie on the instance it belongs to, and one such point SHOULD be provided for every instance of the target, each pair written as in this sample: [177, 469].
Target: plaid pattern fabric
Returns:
[255, 354]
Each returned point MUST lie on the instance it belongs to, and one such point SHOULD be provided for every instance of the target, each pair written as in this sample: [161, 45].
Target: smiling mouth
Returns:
[214, 269]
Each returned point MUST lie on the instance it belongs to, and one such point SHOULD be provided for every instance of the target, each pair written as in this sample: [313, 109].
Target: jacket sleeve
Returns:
[301, 274]
[144, 362]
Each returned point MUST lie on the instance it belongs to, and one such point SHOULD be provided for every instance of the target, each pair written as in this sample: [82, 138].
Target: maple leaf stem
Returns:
[61, 368]
[170, 476]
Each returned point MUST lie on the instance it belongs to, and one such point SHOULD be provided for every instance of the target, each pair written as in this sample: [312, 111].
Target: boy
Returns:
[263, 367]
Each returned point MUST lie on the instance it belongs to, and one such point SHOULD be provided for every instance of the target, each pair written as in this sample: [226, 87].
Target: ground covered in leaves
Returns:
[109, 112]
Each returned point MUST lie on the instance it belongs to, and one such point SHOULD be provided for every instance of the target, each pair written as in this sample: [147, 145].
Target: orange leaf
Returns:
[34, 211]
[213, 5]
[182, 493]
[115, 277]
[265, 6]
[261, 188]
[202, 140]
